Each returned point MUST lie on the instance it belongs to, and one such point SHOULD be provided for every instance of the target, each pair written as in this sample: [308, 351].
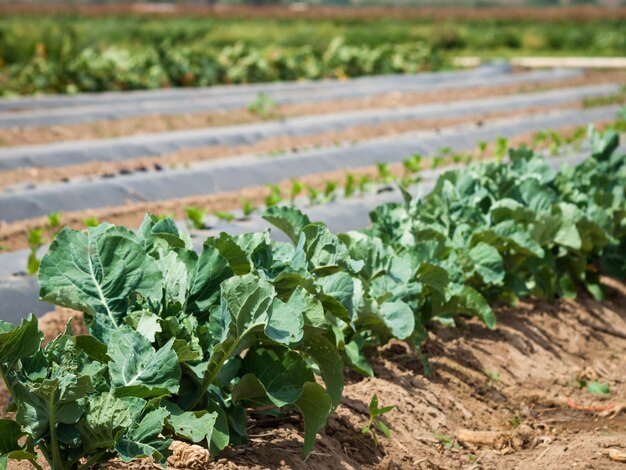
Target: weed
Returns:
[374, 422]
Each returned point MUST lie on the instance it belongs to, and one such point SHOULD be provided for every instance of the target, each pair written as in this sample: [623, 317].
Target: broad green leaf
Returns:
[211, 269]
[231, 252]
[194, 426]
[220, 437]
[277, 373]
[398, 317]
[106, 416]
[137, 369]
[143, 439]
[10, 433]
[286, 321]
[327, 358]
[470, 302]
[96, 271]
[488, 263]
[315, 405]
[288, 219]
[18, 342]
[95, 349]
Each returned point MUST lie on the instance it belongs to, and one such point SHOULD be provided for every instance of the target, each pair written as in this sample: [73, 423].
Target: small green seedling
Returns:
[296, 189]
[35, 241]
[350, 187]
[54, 222]
[436, 162]
[314, 195]
[90, 222]
[413, 164]
[374, 422]
[482, 147]
[263, 106]
[515, 421]
[226, 216]
[330, 188]
[274, 197]
[364, 183]
[194, 217]
[447, 441]
[247, 209]
[445, 151]
[467, 159]
[492, 376]
[598, 388]
[557, 142]
[384, 173]
[502, 145]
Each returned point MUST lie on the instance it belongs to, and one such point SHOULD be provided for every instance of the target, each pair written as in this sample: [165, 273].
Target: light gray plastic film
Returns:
[75, 115]
[243, 172]
[122, 148]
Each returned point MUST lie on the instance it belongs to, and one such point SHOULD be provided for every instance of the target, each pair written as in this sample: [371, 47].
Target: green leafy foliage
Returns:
[184, 344]
[35, 241]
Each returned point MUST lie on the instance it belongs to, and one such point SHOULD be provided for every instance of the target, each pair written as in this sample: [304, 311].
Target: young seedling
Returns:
[445, 151]
[364, 183]
[436, 162]
[274, 197]
[350, 187]
[482, 147]
[384, 173]
[539, 138]
[374, 422]
[502, 145]
[263, 106]
[413, 164]
[54, 222]
[467, 158]
[557, 142]
[314, 195]
[226, 216]
[457, 158]
[194, 217]
[296, 189]
[35, 241]
[90, 222]
[447, 441]
[330, 189]
[247, 209]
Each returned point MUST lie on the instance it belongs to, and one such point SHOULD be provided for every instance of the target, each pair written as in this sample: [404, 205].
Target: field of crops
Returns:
[69, 53]
[307, 252]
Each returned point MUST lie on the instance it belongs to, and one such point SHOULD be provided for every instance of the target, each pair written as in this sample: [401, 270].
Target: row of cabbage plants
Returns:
[186, 345]
[116, 68]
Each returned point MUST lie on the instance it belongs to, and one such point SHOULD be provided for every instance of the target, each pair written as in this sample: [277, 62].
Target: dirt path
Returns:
[164, 123]
[502, 399]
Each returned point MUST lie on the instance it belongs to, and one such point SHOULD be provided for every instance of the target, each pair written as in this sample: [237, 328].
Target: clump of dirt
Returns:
[513, 397]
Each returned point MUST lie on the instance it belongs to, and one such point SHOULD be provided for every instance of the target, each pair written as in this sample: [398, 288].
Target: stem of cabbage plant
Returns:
[57, 463]
[211, 373]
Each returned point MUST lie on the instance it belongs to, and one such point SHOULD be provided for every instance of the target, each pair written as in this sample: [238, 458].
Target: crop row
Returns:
[116, 68]
[185, 345]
